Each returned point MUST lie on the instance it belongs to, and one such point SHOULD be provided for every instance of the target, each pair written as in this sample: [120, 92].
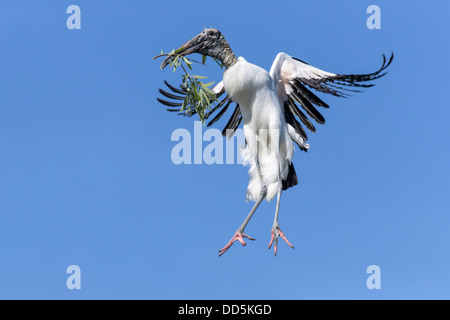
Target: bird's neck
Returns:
[224, 54]
[228, 57]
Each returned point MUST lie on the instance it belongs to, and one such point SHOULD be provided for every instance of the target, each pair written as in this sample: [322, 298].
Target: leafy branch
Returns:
[199, 95]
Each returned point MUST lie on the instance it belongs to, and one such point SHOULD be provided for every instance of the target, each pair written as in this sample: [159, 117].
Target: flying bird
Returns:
[268, 105]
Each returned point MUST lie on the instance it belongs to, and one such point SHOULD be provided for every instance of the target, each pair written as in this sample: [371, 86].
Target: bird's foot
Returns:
[239, 236]
[276, 232]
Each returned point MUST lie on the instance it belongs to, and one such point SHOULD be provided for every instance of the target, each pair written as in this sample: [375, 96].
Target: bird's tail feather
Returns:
[291, 179]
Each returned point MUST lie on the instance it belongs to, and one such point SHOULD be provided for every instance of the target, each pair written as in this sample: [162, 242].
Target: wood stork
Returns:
[266, 102]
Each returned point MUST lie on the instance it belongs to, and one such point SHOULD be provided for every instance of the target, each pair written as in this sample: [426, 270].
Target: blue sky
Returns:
[86, 176]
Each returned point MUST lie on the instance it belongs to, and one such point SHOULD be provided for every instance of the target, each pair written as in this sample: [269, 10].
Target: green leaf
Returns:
[205, 86]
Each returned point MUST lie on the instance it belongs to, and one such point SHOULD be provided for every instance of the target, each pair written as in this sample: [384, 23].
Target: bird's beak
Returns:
[192, 46]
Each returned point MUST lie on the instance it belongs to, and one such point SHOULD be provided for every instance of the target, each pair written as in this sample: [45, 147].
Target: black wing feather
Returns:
[182, 90]
[170, 96]
[308, 107]
[301, 89]
[304, 119]
[220, 105]
[220, 114]
[290, 119]
[233, 123]
[169, 103]
[331, 85]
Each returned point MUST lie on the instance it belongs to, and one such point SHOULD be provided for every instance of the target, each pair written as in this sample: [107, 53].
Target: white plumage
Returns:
[265, 130]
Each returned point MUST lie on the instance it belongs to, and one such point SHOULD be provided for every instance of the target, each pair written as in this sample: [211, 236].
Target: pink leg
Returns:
[276, 231]
[239, 236]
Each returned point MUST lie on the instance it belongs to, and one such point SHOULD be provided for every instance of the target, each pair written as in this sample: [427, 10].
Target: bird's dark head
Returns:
[209, 42]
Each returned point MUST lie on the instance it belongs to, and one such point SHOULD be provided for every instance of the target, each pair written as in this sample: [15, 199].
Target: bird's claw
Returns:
[276, 231]
[238, 236]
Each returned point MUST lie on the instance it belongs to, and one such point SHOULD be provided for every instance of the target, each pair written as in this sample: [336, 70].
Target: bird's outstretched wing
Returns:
[293, 77]
[178, 95]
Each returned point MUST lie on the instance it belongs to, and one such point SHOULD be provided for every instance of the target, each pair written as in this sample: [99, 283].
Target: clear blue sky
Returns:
[86, 176]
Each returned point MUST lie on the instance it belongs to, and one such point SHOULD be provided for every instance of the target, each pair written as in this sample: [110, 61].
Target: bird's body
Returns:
[265, 129]
[266, 103]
